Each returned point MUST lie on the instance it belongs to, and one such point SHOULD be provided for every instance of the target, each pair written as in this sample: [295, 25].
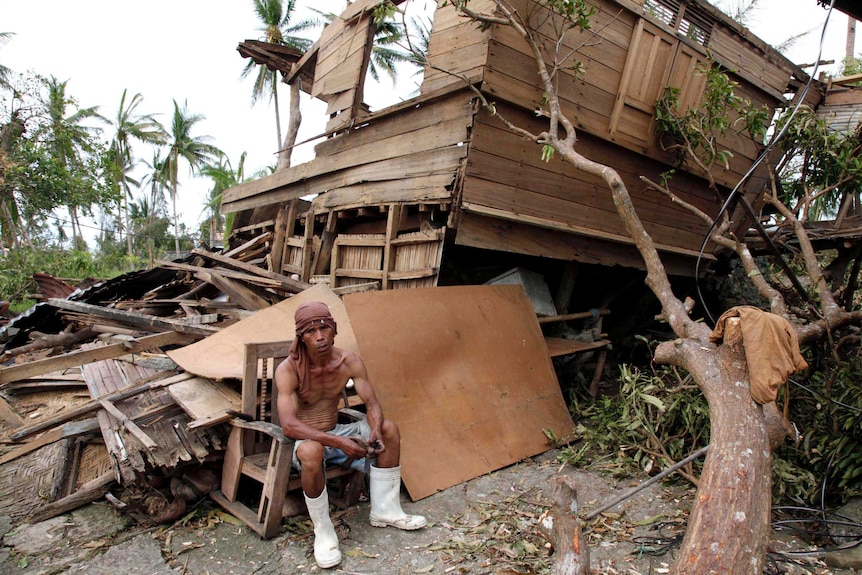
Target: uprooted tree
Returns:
[729, 523]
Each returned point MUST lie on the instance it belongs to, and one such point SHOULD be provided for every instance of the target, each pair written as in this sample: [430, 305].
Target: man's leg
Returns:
[385, 480]
[392, 440]
[310, 456]
[326, 552]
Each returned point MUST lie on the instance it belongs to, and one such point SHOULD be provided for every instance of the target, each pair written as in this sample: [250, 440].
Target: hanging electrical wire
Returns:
[762, 156]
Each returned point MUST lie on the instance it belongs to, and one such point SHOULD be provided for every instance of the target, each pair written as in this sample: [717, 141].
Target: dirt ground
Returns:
[484, 526]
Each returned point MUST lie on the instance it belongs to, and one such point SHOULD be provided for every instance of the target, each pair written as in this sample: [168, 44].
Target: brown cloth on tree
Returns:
[771, 349]
[306, 315]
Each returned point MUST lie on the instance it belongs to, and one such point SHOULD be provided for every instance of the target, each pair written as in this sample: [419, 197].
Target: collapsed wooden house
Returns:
[429, 191]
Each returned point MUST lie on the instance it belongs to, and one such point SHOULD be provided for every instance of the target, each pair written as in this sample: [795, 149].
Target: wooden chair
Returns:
[257, 449]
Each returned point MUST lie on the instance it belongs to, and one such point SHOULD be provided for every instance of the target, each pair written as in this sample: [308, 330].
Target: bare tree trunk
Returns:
[277, 113]
[295, 119]
[729, 524]
[176, 229]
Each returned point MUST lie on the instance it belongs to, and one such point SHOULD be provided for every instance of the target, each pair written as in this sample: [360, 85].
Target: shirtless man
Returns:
[310, 383]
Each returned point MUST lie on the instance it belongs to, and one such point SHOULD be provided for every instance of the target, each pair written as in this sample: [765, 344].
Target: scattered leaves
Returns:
[357, 552]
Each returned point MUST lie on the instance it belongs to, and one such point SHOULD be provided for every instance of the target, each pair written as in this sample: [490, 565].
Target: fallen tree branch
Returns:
[622, 497]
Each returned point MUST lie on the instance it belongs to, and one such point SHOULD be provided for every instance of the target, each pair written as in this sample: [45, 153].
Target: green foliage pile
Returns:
[659, 417]
[656, 419]
[18, 266]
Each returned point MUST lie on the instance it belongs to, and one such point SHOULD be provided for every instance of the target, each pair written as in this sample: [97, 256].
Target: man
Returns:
[310, 384]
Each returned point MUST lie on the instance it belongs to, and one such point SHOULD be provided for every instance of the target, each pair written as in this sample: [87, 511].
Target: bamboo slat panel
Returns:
[359, 258]
[94, 463]
[165, 424]
[29, 482]
[293, 254]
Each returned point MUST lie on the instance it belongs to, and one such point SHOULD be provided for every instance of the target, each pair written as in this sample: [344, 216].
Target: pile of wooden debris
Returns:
[89, 399]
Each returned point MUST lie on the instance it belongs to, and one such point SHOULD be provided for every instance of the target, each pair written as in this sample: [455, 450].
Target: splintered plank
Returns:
[201, 397]
[159, 437]
[88, 355]
[92, 406]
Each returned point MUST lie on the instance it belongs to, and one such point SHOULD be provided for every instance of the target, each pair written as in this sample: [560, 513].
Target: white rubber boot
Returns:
[326, 551]
[386, 501]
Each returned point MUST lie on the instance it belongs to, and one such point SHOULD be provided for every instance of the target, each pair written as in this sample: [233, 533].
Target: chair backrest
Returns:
[259, 394]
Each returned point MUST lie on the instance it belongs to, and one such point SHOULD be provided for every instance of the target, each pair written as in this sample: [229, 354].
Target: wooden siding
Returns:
[506, 177]
[750, 63]
[491, 233]
[343, 52]
[425, 143]
[627, 68]
[456, 46]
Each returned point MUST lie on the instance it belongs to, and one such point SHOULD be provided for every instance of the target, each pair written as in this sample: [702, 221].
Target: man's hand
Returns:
[375, 443]
[353, 447]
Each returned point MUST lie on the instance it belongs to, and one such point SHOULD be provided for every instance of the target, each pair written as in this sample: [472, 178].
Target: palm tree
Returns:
[274, 15]
[69, 140]
[156, 181]
[224, 177]
[129, 125]
[182, 145]
[4, 71]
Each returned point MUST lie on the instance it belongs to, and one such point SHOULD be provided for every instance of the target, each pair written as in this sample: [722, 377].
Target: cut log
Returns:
[45, 341]
[561, 527]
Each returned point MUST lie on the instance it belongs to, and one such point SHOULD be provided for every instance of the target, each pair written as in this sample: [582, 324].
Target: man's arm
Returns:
[373, 409]
[287, 383]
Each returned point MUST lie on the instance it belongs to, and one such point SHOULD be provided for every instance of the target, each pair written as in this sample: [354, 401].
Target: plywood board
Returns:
[464, 372]
[221, 355]
[201, 397]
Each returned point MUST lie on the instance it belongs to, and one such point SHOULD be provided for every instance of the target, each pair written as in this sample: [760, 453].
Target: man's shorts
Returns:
[334, 456]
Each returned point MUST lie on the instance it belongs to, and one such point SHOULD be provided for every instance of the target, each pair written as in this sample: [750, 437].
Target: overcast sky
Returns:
[186, 50]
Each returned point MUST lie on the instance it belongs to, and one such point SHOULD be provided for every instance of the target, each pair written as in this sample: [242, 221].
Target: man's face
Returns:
[319, 337]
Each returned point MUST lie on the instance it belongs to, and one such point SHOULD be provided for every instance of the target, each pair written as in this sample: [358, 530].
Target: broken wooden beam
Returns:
[9, 415]
[238, 293]
[570, 316]
[71, 429]
[81, 357]
[44, 341]
[88, 492]
[132, 318]
[296, 285]
[228, 273]
[130, 425]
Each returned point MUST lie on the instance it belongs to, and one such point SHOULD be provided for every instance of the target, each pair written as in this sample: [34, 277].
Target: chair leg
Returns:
[275, 488]
[232, 465]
